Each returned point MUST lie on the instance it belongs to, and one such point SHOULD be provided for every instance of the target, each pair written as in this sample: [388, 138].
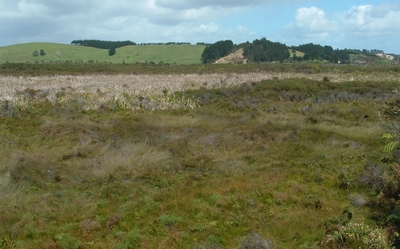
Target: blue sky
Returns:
[358, 24]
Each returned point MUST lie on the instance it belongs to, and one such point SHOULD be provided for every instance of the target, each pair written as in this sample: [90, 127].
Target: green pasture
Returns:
[174, 54]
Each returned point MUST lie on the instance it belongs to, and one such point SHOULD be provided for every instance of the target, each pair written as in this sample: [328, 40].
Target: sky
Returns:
[353, 24]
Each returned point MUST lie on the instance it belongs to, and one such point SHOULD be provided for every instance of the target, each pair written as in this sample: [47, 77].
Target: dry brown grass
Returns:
[95, 90]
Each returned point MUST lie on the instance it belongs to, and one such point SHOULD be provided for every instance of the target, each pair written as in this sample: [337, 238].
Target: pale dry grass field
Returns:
[95, 90]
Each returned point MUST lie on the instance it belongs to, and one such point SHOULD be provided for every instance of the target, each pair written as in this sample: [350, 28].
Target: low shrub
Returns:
[357, 235]
[9, 109]
[169, 220]
[131, 240]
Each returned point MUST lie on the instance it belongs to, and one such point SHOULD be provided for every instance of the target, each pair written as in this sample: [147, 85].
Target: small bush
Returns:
[372, 177]
[169, 220]
[357, 235]
[65, 240]
[113, 220]
[131, 240]
[32, 94]
[8, 109]
[357, 200]
[87, 226]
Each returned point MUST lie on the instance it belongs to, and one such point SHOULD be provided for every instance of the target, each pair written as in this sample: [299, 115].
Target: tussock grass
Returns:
[87, 166]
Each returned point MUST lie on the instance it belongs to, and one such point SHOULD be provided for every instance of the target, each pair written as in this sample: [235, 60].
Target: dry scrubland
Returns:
[252, 160]
[98, 89]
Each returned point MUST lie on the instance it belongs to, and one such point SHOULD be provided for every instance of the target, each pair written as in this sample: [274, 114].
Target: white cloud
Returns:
[369, 21]
[193, 21]
[211, 27]
[311, 23]
[136, 20]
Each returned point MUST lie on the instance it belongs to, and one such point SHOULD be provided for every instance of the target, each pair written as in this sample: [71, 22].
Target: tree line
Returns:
[102, 44]
[110, 45]
[258, 51]
[323, 53]
[263, 50]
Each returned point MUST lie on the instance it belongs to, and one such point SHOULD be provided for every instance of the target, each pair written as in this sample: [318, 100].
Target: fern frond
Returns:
[391, 146]
[388, 135]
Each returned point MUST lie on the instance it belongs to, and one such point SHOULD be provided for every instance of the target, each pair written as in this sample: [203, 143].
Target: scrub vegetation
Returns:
[267, 156]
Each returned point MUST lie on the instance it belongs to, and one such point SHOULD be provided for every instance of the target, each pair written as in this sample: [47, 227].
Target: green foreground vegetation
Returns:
[292, 163]
[58, 53]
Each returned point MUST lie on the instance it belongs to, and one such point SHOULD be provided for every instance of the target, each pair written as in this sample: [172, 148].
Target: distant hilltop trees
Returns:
[217, 50]
[102, 44]
[263, 50]
[259, 51]
[323, 53]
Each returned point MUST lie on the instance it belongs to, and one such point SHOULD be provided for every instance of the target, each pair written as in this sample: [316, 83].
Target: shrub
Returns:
[65, 240]
[357, 235]
[358, 200]
[113, 220]
[8, 109]
[372, 177]
[131, 240]
[388, 207]
[169, 220]
[87, 226]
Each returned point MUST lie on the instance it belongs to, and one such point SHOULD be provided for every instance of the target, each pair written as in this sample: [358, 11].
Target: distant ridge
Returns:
[149, 52]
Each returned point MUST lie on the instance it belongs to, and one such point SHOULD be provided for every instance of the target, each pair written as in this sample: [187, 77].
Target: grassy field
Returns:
[251, 160]
[179, 54]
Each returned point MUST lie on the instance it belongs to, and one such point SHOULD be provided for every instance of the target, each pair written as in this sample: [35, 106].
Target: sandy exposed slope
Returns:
[236, 57]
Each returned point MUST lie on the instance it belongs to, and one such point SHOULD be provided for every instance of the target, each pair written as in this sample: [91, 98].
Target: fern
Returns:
[389, 136]
[391, 146]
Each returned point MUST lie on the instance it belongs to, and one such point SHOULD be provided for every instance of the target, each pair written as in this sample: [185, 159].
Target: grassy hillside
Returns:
[179, 54]
[298, 53]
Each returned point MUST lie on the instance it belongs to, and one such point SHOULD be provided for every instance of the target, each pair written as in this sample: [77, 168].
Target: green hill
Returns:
[179, 54]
